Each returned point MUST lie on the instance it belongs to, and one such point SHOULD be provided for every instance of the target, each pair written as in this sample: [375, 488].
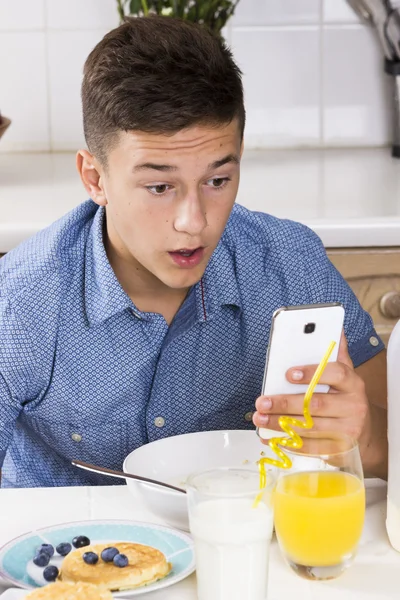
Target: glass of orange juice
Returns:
[319, 505]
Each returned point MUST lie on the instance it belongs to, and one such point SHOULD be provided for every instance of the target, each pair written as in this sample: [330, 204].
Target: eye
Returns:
[158, 189]
[218, 182]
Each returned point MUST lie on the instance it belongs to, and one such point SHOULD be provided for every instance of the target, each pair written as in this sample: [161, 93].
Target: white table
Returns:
[375, 573]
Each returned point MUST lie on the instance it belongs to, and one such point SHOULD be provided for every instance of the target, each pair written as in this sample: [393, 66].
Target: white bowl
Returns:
[173, 459]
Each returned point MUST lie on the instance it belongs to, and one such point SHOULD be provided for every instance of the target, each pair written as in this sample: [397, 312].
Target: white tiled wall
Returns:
[312, 72]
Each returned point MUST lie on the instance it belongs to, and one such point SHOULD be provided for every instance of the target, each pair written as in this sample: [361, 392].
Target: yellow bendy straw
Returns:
[287, 424]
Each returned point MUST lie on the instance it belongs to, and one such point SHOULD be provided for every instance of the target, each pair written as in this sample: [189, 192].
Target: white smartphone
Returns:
[300, 335]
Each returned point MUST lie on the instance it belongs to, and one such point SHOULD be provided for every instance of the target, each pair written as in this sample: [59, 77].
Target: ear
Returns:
[91, 174]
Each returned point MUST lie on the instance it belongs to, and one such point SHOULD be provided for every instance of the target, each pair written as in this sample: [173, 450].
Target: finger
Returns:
[337, 375]
[343, 426]
[272, 421]
[322, 405]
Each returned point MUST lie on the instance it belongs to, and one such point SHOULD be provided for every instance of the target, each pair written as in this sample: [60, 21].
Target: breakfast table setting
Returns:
[25, 512]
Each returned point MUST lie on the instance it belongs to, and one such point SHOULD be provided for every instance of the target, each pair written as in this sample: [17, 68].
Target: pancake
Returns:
[146, 565]
[70, 591]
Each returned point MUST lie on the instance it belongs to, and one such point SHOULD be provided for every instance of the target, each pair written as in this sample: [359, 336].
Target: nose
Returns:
[191, 217]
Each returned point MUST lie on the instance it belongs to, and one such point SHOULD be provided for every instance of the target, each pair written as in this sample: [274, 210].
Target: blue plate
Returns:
[16, 556]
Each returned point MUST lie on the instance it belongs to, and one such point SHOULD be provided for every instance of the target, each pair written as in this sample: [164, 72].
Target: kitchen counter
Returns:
[351, 198]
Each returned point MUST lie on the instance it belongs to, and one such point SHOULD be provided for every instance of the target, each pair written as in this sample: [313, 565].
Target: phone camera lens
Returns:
[309, 328]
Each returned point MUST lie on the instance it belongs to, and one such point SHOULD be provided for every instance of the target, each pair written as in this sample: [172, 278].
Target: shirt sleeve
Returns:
[328, 285]
[16, 373]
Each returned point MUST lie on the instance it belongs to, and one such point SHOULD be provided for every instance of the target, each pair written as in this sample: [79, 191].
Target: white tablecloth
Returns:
[374, 574]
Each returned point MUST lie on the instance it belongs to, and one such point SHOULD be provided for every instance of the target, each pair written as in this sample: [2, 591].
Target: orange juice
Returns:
[319, 516]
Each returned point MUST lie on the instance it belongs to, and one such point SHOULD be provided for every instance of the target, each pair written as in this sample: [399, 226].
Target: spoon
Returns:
[122, 475]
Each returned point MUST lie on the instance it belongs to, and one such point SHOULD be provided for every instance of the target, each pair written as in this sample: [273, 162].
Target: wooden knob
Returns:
[390, 305]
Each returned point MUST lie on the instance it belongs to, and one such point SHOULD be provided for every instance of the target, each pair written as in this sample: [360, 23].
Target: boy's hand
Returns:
[344, 408]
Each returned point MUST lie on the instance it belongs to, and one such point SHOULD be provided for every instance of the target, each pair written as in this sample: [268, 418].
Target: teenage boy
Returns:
[145, 312]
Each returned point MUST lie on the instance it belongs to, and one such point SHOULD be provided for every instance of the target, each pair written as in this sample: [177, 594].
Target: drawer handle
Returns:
[390, 305]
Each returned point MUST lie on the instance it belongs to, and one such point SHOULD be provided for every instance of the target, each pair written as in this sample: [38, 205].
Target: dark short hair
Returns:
[158, 75]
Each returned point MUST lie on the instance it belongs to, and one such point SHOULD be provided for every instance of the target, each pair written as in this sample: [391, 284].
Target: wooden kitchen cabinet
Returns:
[374, 276]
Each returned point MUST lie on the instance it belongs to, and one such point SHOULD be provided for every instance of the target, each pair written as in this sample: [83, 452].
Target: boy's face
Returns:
[167, 199]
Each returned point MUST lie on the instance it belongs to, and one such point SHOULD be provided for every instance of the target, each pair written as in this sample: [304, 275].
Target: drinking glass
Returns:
[231, 532]
[319, 505]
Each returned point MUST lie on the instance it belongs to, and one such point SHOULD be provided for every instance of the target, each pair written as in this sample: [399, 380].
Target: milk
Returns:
[393, 524]
[232, 549]
[393, 372]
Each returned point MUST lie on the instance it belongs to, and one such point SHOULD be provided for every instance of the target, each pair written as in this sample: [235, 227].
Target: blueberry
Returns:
[41, 559]
[64, 548]
[120, 560]
[80, 541]
[108, 554]
[50, 573]
[47, 548]
[90, 558]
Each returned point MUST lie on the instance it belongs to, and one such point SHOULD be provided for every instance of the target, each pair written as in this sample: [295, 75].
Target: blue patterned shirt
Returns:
[84, 374]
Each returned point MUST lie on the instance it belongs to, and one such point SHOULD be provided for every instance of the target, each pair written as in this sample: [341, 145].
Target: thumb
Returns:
[343, 354]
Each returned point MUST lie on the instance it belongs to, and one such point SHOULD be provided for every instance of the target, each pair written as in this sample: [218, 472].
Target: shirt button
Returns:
[374, 341]
[159, 421]
[248, 416]
[76, 437]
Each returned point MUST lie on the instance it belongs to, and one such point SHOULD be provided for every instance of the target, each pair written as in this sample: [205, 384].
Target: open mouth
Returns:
[187, 252]
[187, 257]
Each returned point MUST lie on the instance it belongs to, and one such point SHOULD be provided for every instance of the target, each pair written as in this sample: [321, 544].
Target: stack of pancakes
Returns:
[78, 580]
[146, 565]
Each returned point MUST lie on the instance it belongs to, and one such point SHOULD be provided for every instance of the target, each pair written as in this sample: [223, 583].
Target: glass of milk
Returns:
[231, 534]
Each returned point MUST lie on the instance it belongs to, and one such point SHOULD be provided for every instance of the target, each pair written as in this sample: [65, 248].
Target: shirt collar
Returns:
[219, 286]
[104, 295]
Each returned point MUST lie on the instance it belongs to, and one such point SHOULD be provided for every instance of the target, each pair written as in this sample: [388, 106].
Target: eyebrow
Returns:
[154, 166]
[229, 158]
